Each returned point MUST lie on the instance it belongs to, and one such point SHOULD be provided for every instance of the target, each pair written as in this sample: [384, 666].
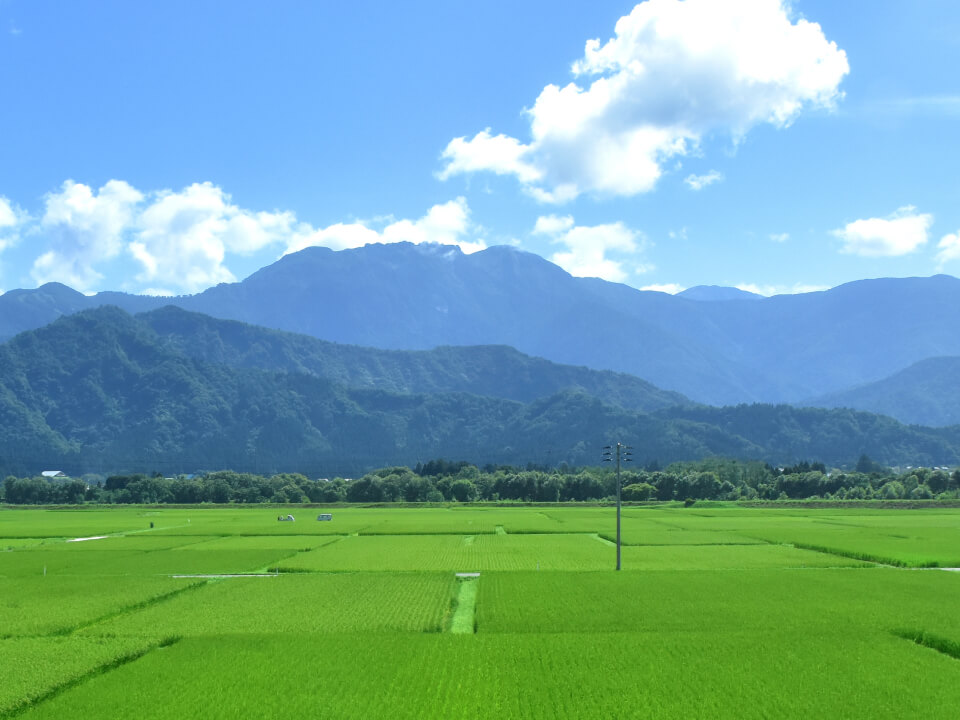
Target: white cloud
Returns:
[339, 236]
[587, 246]
[500, 154]
[901, 233]
[770, 290]
[11, 219]
[948, 249]
[699, 182]
[84, 228]
[669, 288]
[182, 238]
[779, 237]
[8, 217]
[923, 104]
[673, 73]
[553, 225]
[447, 224]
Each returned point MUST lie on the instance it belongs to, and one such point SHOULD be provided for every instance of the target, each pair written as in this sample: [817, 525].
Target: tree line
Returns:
[445, 481]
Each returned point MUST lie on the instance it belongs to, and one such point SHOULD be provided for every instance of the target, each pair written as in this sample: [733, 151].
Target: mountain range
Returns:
[713, 293]
[716, 346]
[926, 393]
[489, 370]
[168, 390]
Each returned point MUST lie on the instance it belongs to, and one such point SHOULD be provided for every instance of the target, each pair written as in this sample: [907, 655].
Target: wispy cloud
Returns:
[11, 220]
[948, 249]
[920, 105]
[770, 290]
[699, 182]
[779, 237]
[669, 288]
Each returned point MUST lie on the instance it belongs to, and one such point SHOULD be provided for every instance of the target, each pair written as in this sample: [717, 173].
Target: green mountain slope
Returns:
[926, 393]
[102, 391]
[828, 435]
[490, 370]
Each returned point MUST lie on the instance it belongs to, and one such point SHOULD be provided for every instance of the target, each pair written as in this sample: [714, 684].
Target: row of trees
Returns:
[442, 481]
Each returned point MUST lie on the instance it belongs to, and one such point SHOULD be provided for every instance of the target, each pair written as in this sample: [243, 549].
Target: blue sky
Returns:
[165, 147]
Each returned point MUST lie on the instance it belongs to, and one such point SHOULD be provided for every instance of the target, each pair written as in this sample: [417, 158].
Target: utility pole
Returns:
[618, 452]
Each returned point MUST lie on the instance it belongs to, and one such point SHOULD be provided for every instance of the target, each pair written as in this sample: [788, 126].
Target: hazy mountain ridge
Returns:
[717, 293]
[825, 433]
[926, 393]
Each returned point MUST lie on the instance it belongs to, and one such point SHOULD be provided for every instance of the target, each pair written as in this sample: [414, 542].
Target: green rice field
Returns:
[479, 612]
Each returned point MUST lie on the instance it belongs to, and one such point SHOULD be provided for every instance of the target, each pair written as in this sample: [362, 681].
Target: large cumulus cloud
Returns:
[674, 72]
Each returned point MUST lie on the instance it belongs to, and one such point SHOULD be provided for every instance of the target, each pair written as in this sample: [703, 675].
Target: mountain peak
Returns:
[713, 293]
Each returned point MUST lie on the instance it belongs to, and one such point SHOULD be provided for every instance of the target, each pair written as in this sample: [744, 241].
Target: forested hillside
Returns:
[102, 391]
[496, 371]
[926, 393]
[827, 434]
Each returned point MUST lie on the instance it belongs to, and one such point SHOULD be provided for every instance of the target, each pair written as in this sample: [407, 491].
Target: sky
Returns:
[164, 147]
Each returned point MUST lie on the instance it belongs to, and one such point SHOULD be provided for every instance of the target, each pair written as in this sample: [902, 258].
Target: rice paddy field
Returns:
[479, 612]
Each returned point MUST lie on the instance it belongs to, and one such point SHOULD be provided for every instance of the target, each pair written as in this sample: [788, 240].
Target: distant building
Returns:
[53, 474]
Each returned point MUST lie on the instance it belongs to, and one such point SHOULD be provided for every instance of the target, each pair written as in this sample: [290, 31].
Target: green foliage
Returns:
[639, 491]
[711, 479]
[104, 393]
[867, 466]
[493, 371]
[462, 490]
